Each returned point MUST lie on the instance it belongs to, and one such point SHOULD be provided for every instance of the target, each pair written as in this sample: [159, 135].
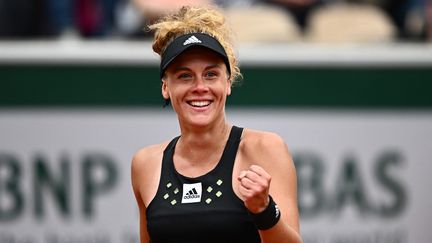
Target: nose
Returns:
[200, 85]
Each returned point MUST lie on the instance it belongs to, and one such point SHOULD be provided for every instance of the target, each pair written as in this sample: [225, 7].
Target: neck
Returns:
[201, 144]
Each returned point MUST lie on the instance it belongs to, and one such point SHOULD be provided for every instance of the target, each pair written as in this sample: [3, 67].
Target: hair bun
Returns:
[189, 19]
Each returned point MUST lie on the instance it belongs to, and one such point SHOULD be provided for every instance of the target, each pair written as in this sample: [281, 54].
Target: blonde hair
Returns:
[190, 19]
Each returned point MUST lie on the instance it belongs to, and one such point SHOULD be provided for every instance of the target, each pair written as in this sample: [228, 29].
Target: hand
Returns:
[254, 185]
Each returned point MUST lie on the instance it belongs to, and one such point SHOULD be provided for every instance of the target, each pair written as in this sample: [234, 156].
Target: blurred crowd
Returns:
[252, 20]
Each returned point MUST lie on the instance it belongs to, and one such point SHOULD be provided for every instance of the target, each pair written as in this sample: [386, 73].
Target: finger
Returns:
[259, 170]
[261, 180]
[254, 188]
[247, 183]
[242, 175]
[266, 177]
[244, 193]
[245, 188]
[254, 177]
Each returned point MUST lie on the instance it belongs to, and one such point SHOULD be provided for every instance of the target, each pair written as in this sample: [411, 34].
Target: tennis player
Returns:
[215, 182]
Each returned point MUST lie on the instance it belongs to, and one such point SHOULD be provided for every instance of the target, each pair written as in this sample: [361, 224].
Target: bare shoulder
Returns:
[148, 156]
[261, 138]
[266, 149]
[254, 141]
[145, 171]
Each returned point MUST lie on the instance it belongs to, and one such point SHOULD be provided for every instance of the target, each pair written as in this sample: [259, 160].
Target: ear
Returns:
[229, 87]
[165, 92]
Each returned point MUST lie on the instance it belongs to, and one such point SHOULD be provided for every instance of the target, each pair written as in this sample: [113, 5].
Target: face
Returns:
[197, 84]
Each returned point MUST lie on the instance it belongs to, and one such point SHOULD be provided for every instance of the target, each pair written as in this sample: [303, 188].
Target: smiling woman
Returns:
[197, 83]
[216, 182]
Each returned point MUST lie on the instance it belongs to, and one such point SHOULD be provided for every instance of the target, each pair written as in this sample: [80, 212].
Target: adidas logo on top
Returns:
[192, 193]
[191, 40]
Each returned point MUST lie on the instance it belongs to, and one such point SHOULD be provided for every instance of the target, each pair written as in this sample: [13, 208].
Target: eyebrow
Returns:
[183, 68]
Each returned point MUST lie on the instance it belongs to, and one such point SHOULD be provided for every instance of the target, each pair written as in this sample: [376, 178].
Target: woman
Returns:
[216, 182]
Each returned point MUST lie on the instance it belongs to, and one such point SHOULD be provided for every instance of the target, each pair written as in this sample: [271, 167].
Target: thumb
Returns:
[241, 175]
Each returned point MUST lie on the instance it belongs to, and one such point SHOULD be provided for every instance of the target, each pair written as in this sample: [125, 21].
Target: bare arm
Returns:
[136, 175]
[272, 173]
[145, 174]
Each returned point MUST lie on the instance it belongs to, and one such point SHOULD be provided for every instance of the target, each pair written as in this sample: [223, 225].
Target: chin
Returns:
[200, 122]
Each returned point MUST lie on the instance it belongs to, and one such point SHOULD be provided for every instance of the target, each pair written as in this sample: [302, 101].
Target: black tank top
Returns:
[203, 209]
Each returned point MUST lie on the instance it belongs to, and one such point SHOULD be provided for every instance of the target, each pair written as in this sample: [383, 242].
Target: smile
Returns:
[199, 103]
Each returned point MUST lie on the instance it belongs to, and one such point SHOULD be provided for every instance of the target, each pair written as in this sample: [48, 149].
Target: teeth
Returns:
[200, 103]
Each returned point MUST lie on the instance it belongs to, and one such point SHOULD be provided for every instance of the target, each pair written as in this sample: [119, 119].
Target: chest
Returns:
[203, 209]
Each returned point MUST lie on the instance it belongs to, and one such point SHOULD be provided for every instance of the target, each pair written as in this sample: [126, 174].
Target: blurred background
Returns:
[347, 84]
[290, 20]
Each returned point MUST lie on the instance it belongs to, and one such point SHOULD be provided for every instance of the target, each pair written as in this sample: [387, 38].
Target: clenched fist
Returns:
[254, 185]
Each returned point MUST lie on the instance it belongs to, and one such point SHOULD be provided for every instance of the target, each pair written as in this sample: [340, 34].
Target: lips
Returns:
[199, 103]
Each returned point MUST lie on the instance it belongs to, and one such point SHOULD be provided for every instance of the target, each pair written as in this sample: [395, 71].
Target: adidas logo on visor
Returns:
[191, 40]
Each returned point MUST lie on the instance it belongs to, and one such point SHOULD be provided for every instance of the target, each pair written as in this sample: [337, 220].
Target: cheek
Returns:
[177, 92]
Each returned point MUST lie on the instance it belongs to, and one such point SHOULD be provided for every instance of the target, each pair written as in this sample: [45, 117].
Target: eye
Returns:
[211, 74]
[184, 75]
